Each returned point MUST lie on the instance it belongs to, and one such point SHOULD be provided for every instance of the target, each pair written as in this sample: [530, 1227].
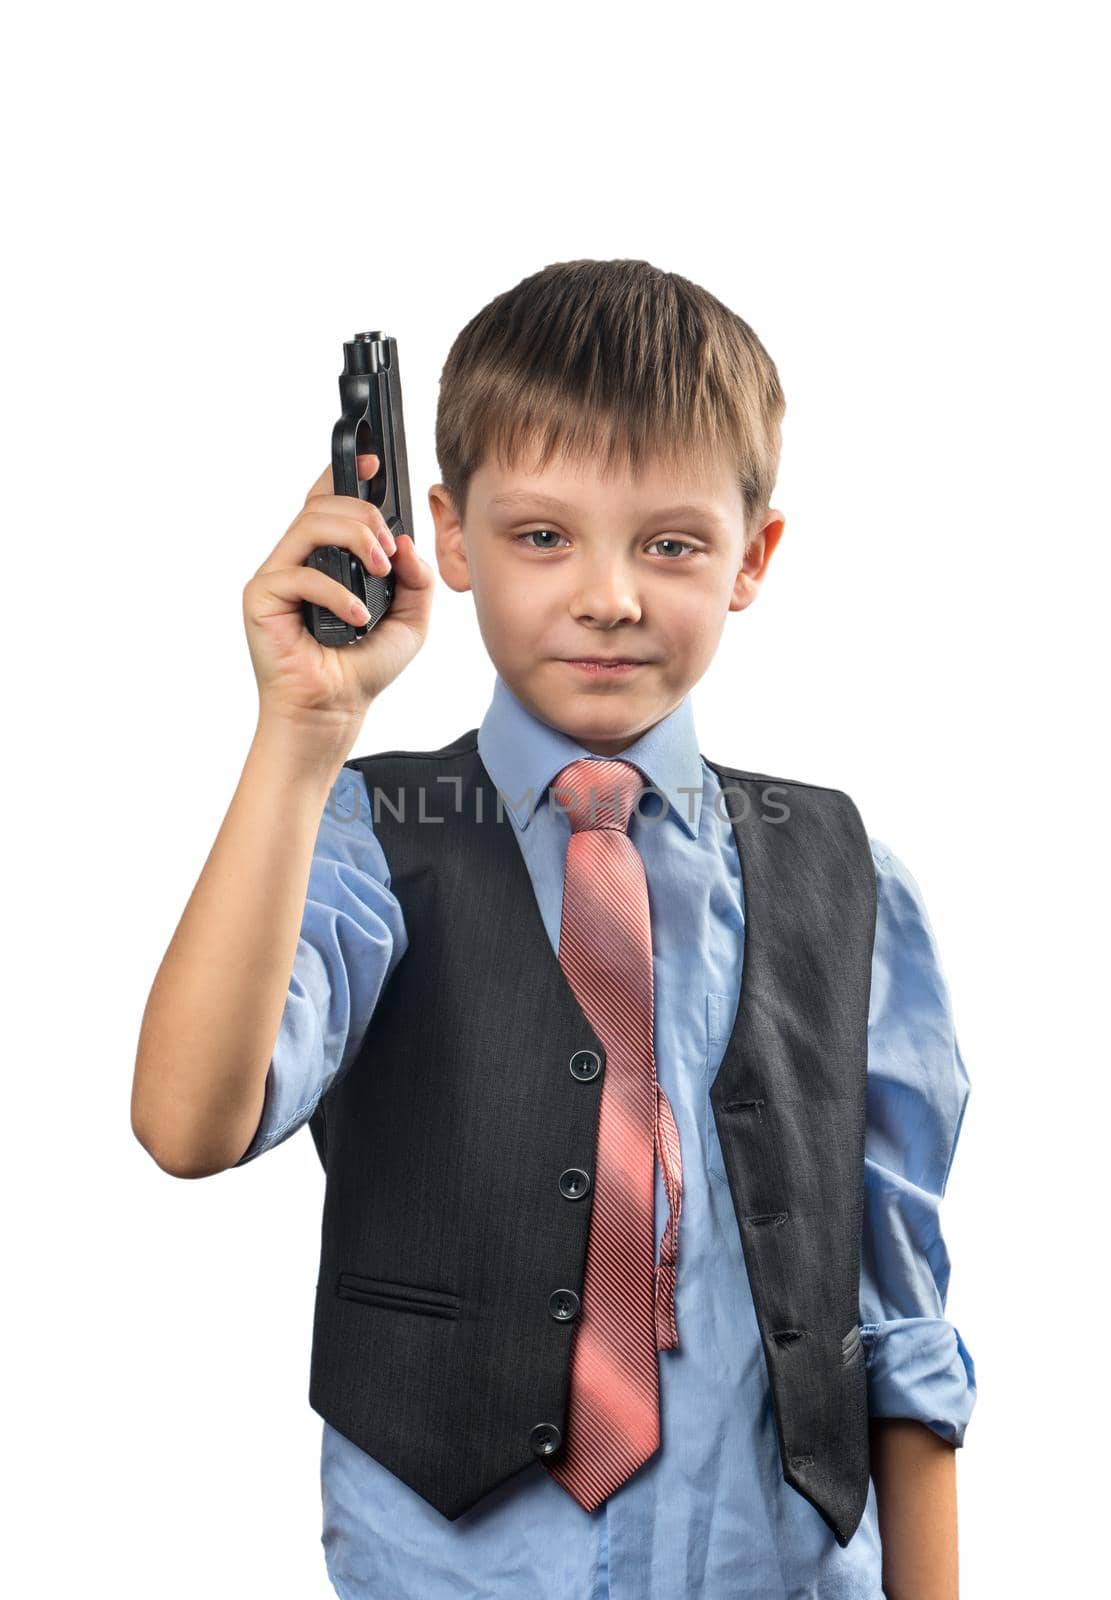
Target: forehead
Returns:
[658, 484]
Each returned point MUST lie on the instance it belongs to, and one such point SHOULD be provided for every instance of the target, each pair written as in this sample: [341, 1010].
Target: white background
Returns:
[202, 204]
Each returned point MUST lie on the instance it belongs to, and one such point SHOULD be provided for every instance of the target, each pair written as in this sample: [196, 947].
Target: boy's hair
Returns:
[610, 358]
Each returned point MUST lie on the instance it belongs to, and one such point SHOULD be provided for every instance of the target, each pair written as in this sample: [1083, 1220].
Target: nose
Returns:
[606, 595]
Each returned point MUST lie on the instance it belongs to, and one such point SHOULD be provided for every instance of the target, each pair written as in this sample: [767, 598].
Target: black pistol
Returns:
[371, 423]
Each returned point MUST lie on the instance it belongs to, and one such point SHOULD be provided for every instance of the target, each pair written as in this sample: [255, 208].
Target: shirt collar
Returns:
[523, 755]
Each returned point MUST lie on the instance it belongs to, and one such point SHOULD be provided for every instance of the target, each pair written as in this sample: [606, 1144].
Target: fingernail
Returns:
[359, 612]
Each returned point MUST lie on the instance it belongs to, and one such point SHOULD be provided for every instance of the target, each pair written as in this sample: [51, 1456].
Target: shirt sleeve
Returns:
[352, 937]
[917, 1362]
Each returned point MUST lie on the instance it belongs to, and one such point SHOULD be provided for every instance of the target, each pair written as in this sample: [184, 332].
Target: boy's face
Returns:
[565, 566]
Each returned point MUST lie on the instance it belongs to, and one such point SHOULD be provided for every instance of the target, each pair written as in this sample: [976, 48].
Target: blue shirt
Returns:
[710, 1513]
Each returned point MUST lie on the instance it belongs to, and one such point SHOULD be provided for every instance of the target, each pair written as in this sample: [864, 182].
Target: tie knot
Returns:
[599, 794]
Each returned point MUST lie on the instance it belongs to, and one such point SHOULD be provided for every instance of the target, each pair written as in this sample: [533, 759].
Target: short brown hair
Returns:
[615, 358]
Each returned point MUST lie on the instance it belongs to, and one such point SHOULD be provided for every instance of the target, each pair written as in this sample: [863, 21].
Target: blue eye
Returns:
[679, 545]
[535, 532]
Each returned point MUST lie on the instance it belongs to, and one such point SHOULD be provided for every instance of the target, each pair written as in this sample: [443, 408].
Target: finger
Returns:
[282, 590]
[353, 524]
[345, 508]
[412, 576]
[314, 528]
[365, 465]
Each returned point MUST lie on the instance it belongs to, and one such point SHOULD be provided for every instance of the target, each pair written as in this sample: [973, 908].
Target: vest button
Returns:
[585, 1065]
[545, 1438]
[574, 1183]
[563, 1304]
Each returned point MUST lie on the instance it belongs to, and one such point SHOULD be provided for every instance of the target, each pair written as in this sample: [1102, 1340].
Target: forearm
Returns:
[212, 1017]
[914, 1472]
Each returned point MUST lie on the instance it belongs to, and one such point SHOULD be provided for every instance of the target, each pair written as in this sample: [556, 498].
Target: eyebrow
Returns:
[515, 497]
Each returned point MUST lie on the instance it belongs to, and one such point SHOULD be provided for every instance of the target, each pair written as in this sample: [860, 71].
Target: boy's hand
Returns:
[319, 687]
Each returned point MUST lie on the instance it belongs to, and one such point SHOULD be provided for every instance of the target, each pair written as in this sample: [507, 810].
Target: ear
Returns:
[759, 550]
[451, 550]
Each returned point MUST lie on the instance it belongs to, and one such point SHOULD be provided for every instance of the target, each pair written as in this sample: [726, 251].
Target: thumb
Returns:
[418, 570]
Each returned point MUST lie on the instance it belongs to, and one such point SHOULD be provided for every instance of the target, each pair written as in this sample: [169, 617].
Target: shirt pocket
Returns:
[719, 1015]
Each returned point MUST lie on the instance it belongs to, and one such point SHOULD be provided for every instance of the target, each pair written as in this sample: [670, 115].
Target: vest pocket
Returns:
[393, 1296]
[719, 1008]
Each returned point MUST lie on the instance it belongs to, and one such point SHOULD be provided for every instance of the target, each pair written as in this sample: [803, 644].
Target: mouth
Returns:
[606, 666]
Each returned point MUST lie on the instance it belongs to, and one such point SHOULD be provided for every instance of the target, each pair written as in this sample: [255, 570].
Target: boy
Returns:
[658, 1063]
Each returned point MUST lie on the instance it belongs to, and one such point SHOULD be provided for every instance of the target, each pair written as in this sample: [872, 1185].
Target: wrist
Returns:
[307, 754]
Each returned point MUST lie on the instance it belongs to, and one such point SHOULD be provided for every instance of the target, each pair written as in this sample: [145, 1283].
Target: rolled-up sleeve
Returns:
[352, 937]
[917, 1363]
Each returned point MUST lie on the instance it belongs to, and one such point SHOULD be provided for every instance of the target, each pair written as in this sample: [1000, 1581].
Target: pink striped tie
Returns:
[628, 1308]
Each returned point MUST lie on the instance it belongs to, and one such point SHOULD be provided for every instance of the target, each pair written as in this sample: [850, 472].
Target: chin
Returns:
[590, 710]
[599, 717]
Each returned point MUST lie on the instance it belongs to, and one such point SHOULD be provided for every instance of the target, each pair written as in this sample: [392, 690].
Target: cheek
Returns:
[513, 609]
[692, 612]
[518, 593]
[510, 605]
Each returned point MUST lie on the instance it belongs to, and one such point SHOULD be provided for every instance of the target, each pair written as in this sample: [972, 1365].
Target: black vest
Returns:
[440, 1339]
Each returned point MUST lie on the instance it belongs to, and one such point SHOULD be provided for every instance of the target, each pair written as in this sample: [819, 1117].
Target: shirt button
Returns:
[563, 1304]
[585, 1065]
[545, 1438]
[574, 1183]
